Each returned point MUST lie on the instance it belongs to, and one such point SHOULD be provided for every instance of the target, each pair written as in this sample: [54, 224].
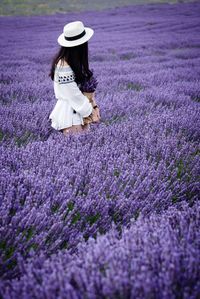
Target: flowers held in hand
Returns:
[89, 85]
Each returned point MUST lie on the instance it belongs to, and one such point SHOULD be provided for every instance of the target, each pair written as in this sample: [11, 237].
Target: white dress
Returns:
[71, 105]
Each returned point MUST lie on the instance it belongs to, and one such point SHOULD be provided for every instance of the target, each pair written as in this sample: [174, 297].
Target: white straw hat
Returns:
[74, 34]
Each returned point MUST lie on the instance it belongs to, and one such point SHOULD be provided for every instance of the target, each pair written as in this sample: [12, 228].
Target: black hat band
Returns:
[76, 36]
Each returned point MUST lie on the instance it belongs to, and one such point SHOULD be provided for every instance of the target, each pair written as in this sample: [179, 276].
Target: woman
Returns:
[74, 83]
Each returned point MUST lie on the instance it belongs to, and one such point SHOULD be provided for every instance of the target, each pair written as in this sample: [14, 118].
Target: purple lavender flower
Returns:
[89, 85]
[61, 197]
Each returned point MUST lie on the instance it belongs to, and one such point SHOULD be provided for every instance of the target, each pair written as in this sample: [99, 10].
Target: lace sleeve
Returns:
[69, 90]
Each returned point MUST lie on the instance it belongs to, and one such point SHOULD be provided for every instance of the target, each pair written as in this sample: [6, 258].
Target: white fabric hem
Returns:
[55, 125]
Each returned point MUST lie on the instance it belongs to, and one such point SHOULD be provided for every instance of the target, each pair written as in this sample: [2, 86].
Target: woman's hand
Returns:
[90, 96]
[95, 115]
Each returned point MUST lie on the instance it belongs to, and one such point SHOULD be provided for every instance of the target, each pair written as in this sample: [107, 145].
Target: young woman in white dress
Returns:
[69, 72]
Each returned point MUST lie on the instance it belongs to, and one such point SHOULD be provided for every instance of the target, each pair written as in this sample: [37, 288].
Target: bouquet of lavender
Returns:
[89, 85]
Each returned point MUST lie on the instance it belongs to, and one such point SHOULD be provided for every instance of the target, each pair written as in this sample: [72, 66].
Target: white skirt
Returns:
[62, 116]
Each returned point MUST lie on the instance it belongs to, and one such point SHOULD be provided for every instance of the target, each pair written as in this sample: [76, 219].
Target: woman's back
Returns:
[73, 79]
[62, 62]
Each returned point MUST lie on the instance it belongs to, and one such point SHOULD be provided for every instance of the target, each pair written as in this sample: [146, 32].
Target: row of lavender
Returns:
[156, 257]
[60, 194]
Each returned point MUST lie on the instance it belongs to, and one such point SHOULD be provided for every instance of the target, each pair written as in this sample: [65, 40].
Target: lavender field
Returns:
[112, 213]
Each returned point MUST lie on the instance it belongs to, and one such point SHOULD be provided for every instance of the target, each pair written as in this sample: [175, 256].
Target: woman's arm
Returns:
[67, 89]
[91, 97]
[95, 115]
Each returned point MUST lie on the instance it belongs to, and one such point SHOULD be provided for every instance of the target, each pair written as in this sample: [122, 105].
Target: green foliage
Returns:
[55, 207]
[24, 139]
[33, 246]
[28, 233]
[12, 264]
[126, 85]
[76, 218]
[86, 236]
[12, 211]
[127, 56]
[102, 230]
[174, 198]
[9, 252]
[134, 86]
[22, 201]
[108, 195]
[70, 207]
[64, 245]
[2, 245]
[115, 119]
[48, 240]
[116, 172]
[117, 218]
[38, 7]
[1, 135]
[195, 98]
[180, 168]
[103, 268]
[93, 218]
[136, 214]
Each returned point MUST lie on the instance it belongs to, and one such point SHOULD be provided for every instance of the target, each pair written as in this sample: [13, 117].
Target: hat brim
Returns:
[65, 43]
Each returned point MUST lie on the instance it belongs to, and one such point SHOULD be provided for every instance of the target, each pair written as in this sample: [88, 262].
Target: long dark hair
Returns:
[77, 58]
